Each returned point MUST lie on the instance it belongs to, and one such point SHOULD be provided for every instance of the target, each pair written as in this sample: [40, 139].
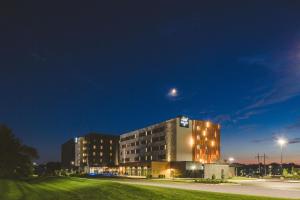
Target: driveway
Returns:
[266, 188]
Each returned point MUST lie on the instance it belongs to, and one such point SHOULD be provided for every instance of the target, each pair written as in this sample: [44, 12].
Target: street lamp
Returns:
[281, 142]
[230, 159]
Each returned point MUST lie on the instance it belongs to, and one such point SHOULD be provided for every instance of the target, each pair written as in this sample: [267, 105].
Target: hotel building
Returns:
[91, 153]
[179, 143]
[179, 147]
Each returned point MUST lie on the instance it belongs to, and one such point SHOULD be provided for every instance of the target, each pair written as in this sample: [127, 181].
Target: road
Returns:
[268, 188]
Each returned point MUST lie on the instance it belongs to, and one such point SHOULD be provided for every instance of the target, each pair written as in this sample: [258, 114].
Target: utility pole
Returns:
[264, 163]
[258, 157]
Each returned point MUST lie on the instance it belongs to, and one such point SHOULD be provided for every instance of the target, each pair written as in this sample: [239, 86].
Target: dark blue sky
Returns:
[70, 68]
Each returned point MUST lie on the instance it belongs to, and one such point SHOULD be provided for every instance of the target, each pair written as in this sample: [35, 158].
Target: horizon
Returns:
[113, 68]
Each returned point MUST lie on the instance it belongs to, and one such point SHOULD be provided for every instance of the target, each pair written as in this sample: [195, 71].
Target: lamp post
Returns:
[282, 142]
[231, 160]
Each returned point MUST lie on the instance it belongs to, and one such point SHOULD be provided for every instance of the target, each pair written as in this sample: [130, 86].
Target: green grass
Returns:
[77, 188]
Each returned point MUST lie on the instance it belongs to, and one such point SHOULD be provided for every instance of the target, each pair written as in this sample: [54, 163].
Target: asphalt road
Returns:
[266, 188]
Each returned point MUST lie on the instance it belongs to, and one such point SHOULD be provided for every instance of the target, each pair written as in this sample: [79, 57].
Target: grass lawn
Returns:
[77, 188]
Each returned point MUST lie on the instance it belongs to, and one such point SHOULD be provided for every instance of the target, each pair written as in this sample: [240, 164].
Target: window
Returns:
[162, 147]
[101, 154]
[110, 141]
[101, 147]
[142, 134]
[110, 148]
[94, 146]
[132, 144]
[132, 151]
[162, 138]
[94, 153]
[155, 148]
[157, 130]
[162, 157]
[123, 146]
[101, 141]
[143, 142]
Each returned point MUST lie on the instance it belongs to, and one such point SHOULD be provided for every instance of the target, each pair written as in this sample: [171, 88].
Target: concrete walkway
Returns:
[256, 187]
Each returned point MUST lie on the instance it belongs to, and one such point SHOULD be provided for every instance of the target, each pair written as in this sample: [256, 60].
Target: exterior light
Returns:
[213, 143]
[282, 142]
[191, 141]
[193, 167]
[207, 124]
[230, 159]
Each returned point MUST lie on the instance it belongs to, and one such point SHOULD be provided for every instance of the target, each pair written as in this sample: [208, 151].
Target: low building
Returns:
[92, 153]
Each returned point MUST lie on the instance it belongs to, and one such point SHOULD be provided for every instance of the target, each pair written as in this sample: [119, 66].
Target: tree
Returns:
[15, 157]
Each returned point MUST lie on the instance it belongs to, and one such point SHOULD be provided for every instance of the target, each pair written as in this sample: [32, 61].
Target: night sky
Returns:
[68, 68]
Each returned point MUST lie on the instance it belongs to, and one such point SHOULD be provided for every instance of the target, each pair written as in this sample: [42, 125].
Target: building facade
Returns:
[91, 153]
[176, 142]
[176, 147]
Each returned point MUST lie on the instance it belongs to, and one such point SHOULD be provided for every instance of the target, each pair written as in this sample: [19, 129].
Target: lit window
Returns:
[101, 147]
[165, 146]
[101, 141]
[101, 154]
[204, 133]
[110, 147]
[110, 154]
[198, 146]
[94, 153]
[94, 146]
[198, 137]
[198, 128]
[110, 141]
[146, 149]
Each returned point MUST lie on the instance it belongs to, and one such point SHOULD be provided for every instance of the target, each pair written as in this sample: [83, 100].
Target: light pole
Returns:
[282, 142]
[231, 160]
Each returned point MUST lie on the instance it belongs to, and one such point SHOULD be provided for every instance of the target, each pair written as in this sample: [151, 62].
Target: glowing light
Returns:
[193, 167]
[282, 142]
[231, 159]
[212, 143]
[191, 141]
[207, 124]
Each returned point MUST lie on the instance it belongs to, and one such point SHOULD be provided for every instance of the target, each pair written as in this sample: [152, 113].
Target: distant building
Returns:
[92, 152]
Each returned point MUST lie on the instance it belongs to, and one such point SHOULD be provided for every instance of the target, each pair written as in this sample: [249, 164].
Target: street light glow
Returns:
[282, 142]
[231, 159]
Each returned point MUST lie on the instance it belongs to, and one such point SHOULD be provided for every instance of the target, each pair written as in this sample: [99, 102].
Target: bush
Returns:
[213, 177]
[149, 176]
[210, 181]
[161, 176]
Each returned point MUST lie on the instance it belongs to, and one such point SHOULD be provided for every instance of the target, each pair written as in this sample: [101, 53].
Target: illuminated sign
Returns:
[184, 122]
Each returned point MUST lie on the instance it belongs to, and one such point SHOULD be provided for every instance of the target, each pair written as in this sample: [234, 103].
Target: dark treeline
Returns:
[15, 158]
